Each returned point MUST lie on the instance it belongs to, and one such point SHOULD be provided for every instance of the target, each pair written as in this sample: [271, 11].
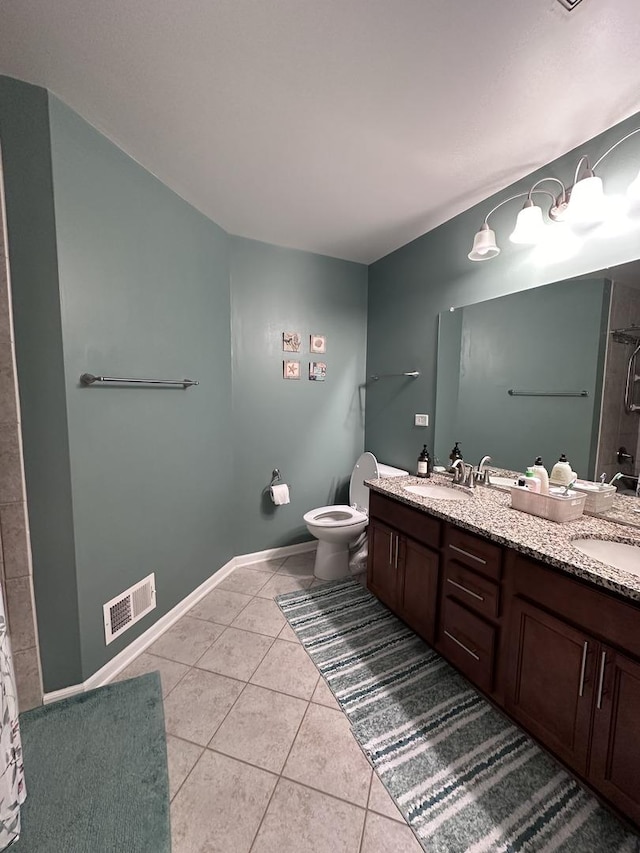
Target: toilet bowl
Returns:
[338, 527]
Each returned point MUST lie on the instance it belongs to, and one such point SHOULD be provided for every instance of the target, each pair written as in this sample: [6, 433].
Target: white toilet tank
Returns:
[367, 468]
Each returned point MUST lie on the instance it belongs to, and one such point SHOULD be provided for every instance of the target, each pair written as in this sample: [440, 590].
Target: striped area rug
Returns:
[465, 778]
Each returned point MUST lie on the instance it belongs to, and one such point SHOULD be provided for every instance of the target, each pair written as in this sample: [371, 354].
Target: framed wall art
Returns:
[291, 341]
[317, 371]
[318, 343]
[291, 369]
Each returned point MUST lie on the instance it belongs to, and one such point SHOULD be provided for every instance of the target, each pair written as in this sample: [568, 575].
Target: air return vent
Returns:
[569, 4]
[126, 609]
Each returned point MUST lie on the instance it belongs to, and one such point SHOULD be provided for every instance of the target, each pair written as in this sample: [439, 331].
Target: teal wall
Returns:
[410, 287]
[144, 291]
[312, 431]
[523, 341]
[26, 155]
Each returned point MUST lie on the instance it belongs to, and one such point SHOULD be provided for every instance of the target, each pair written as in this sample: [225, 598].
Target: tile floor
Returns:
[261, 758]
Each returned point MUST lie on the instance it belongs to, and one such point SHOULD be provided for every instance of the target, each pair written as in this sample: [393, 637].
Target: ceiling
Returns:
[344, 127]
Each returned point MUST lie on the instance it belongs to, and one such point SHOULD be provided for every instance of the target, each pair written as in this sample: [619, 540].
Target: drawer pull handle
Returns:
[603, 663]
[397, 549]
[583, 668]
[464, 589]
[462, 645]
[467, 554]
[391, 549]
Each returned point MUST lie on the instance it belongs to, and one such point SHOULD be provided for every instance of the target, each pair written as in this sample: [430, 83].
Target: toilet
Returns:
[338, 527]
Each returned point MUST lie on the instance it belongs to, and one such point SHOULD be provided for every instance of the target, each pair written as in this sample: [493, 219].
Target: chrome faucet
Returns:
[482, 475]
[459, 471]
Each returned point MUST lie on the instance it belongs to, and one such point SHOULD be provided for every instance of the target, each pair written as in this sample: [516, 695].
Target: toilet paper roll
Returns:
[280, 494]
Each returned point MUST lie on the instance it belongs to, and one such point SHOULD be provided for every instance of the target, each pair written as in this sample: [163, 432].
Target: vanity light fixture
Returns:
[583, 206]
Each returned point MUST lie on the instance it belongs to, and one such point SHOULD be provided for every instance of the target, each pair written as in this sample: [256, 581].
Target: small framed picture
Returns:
[291, 369]
[291, 341]
[317, 371]
[318, 343]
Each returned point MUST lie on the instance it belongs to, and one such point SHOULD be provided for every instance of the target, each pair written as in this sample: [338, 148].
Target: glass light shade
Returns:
[633, 190]
[484, 245]
[558, 243]
[587, 202]
[529, 228]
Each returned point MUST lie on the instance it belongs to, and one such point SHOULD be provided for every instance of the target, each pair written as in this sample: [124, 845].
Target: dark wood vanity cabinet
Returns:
[402, 570]
[560, 655]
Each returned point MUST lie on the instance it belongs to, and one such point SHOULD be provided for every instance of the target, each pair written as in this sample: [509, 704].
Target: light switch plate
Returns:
[421, 420]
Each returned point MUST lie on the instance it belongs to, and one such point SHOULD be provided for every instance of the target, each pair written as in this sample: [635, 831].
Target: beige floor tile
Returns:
[170, 671]
[382, 835]
[220, 806]
[181, 757]
[279, 584]
[197, 708]
[236, 653]
[299, 565]
[260, 728]
[288, 634]
[380, 800]
[247, 581]
[317, 582]
[269, 566]
[323, 696]
[220, 605]
[187, 640]
[288, 669]
[261, 616]
[300, 820]
[325, 755]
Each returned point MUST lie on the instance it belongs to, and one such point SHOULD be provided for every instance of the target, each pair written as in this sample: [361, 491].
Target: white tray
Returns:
[558, 508]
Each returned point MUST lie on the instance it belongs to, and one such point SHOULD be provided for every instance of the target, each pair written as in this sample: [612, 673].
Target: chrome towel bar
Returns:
[513, 393]
[412, 373]
[90, 379]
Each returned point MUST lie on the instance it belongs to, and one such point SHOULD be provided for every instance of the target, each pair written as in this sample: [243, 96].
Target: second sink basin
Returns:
[442, 493]
[619, 555]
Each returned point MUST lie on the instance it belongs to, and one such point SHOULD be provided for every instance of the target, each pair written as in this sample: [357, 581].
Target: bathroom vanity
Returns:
[550, 635]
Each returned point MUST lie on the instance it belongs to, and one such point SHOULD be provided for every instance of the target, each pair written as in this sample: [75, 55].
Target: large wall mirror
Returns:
[543, 372]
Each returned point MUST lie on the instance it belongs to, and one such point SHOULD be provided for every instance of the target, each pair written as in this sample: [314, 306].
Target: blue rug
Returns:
[464, 777]
[96, 772]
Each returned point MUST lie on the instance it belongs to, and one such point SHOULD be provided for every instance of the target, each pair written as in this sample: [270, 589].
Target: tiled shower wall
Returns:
[15, 555]
[618, 427]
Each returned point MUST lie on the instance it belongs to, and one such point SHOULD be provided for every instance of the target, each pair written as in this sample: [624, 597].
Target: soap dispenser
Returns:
[456, 453]
[541, 473]
[561, 473]
[424, 463]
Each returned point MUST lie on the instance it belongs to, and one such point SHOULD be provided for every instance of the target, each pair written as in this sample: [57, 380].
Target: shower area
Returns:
[619, 446]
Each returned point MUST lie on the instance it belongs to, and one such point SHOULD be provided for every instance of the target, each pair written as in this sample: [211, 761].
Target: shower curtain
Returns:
[12, 787]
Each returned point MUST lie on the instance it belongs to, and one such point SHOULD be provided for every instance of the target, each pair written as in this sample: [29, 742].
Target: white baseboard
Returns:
[122, 660]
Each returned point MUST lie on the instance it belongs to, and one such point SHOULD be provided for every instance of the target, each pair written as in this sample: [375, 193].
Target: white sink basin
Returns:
[616, 554]
[441, 493]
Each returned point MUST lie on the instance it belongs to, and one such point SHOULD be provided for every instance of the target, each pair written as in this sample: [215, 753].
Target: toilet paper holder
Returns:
[275, 477]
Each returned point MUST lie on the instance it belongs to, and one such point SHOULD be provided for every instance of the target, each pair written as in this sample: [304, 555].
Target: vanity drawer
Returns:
[470, 588]
[468, 642]
[412, 522]
[472, 551]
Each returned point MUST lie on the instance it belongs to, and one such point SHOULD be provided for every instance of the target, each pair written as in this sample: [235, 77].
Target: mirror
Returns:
[539, 373]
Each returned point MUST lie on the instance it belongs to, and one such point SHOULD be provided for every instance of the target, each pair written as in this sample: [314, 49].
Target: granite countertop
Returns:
[488, 512]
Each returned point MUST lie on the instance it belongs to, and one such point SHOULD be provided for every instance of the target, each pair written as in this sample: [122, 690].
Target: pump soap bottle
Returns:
[561, 473]
[456, 453]
[541, 473]
[424, 463]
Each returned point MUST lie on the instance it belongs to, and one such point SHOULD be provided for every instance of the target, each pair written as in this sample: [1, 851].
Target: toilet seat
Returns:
[335, 516]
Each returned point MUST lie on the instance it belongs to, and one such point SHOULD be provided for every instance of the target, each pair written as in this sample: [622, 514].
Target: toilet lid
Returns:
[366, 468]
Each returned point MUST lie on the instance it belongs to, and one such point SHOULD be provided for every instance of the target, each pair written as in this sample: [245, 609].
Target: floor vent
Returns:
[126, 609]
[569, 4]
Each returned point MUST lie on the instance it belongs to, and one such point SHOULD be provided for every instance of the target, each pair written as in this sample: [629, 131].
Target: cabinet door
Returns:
[615, 754]
[383, 563]
[419, 588]
[550, 681]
